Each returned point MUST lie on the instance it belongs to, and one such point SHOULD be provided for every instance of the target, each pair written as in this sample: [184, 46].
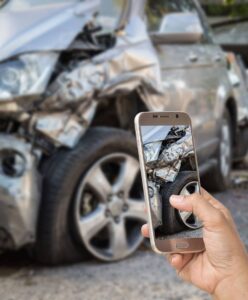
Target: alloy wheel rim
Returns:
[225, 150]
[188, 219]
[111, 230]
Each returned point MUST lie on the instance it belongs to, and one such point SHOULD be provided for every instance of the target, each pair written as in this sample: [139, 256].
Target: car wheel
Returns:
[241, 148]
[92, 200]
[219, 178]
[173, 220]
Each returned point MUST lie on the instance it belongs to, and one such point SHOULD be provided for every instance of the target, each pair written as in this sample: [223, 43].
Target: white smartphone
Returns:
[169, 166]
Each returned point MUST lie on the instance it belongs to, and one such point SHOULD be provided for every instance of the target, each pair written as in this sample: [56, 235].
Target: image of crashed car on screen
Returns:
[171, 168]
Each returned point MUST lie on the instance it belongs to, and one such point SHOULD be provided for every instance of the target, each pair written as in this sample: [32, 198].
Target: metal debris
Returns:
[131, 65]
[166, 162]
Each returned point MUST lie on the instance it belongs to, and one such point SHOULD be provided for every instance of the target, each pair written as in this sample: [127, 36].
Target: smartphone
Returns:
[169, 167]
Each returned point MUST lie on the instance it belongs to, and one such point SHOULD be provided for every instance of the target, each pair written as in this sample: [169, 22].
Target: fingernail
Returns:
[174, 199]
[173, 259]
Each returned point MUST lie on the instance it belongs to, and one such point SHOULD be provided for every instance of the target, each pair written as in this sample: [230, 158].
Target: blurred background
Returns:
[73, 75]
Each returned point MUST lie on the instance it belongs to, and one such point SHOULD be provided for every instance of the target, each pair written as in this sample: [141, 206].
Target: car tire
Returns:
[241, 148]
[58, 240]
[171, 220]
[218, 179]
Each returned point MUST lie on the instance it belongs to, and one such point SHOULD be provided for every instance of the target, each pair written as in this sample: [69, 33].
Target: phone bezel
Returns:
[164, 118]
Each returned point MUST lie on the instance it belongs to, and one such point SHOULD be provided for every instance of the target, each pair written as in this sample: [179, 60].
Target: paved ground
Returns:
[143, 276]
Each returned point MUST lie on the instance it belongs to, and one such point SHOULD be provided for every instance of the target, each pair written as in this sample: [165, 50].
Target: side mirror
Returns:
[180, 28]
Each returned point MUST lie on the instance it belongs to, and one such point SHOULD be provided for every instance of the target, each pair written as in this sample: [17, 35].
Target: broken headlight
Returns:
[26, 75]
[12, 163]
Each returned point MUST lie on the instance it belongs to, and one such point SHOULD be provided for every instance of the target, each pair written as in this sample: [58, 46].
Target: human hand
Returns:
[222, 268]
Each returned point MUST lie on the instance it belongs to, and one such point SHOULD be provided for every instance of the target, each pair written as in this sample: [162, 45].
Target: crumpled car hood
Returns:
[52, 27]
[131, 65]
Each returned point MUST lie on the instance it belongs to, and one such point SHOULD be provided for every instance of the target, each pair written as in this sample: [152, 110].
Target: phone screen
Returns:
[171, 168]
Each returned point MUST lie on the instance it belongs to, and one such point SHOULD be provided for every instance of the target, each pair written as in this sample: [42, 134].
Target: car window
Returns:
[156, 10]
[110, 13]
[229, 20]
[233, 34]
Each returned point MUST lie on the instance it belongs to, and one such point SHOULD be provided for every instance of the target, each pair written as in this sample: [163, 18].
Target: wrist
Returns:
[235, 286]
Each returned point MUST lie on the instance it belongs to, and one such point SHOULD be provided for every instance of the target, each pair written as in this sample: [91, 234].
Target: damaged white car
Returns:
[73, 74]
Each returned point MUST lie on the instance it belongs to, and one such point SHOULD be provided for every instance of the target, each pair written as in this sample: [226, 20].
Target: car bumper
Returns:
[19, 193]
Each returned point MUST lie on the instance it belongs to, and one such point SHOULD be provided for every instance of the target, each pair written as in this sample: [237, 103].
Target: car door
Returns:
[188, 79]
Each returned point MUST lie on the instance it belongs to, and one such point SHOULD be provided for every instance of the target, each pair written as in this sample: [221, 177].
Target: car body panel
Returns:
[238, 78]
[42, 27]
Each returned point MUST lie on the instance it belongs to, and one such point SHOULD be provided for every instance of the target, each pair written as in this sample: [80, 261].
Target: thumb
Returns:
[200, 207]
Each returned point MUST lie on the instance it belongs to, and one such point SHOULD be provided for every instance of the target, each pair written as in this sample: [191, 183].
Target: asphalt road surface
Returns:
[143, 276]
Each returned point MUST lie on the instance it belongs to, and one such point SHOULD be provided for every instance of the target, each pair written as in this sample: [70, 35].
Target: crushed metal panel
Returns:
[166, 165]
[151, 152]
[65, 128]
[60, 127]
[179, 150]
[123, 68]
[168, 174]
[131, 65]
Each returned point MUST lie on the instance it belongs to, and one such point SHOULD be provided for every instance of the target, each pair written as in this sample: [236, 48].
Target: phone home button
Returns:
[182, 245]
